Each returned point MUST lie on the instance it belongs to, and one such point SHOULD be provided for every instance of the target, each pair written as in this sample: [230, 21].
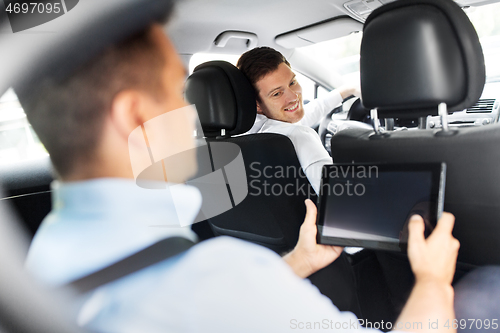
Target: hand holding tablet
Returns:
[370, 205]
[308, 257]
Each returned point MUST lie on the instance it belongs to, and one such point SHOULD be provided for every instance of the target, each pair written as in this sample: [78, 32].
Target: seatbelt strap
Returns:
[149, 256]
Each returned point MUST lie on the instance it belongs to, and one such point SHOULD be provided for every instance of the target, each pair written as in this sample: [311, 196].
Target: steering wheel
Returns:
[356, 112]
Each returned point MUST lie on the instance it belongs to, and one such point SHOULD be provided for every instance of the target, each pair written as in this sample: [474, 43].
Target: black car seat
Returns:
[226, 105]
[225, 101]
[415, 55]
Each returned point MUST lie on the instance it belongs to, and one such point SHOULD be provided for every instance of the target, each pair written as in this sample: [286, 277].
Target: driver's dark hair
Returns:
[68, 115]
[259, 62]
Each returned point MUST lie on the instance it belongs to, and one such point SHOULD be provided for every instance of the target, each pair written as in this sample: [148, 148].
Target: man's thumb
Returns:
[310, 213]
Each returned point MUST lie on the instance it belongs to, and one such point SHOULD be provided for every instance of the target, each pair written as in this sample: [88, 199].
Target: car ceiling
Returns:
[196, 23]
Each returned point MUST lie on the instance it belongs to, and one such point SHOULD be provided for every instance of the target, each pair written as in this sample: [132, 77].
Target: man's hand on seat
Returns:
[308, 257]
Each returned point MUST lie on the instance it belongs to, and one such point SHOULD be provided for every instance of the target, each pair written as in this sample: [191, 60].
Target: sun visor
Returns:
[319, 32]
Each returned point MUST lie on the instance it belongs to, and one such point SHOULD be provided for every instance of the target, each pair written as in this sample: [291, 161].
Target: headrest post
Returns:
[443, 113]
[422, 122]
[389, 124]
[375, 122]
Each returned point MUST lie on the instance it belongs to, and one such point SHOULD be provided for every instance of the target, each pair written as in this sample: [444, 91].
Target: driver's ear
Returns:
[259, 109]
[128, 111]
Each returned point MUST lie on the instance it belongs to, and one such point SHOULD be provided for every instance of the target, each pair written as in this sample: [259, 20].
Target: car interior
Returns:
[430, 93]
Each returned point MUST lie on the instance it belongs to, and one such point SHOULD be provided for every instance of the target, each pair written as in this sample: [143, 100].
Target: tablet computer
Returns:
[369, 205]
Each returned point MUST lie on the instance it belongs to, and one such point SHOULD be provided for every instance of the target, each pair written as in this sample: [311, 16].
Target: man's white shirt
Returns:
[308, 146]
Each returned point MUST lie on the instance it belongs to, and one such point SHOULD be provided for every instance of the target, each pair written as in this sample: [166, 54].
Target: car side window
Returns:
[18, 141]
[321, 91]
[308, 87]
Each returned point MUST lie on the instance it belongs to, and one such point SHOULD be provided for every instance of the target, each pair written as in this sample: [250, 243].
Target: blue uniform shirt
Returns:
[220, 285]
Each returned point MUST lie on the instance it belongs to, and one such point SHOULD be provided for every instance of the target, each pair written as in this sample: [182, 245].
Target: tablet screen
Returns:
[370, 205]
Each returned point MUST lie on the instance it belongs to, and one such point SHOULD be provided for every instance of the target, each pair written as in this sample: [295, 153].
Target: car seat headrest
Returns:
[224, 98]
[416, 54]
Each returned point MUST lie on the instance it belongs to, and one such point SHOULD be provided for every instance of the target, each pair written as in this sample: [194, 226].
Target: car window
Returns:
[340, 55]
[322, 92]
[308, 87]
[18, 141]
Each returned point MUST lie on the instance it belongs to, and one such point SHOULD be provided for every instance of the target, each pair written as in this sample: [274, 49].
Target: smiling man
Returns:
[281, 110]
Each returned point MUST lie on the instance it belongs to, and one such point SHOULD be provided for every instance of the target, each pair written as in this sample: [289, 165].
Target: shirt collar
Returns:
[260, 120]
[262, 123]
[103, 193]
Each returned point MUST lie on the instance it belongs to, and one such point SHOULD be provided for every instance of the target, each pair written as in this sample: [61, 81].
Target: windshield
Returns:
[342, 54]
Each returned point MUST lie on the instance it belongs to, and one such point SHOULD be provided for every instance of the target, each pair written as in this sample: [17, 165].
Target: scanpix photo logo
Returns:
[27, 14]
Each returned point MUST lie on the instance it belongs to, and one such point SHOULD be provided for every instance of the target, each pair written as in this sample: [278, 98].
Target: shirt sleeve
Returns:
[220, 285]
[310, 152]
[308, 147]
[251, 289]
[313, 173]
[260, 120]
[315, 110]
